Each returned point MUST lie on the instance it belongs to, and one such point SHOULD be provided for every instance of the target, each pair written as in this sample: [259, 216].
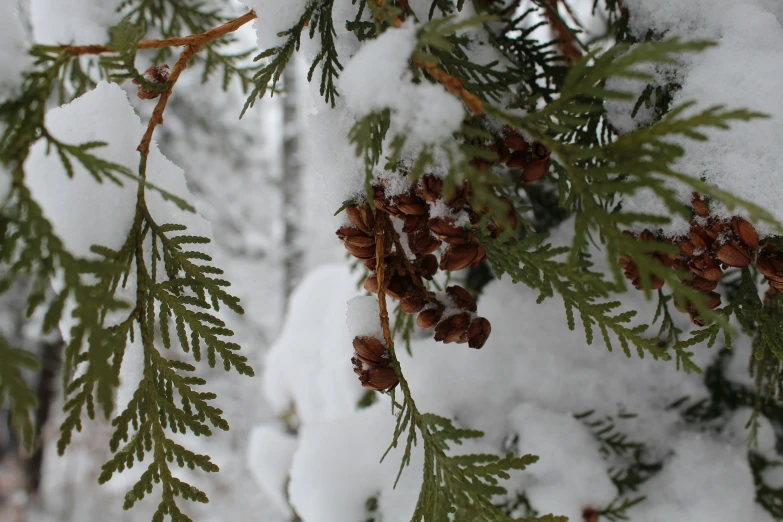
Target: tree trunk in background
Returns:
[290, 182]
[51, 362]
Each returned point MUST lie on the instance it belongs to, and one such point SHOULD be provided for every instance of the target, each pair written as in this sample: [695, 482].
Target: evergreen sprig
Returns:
[15, 392]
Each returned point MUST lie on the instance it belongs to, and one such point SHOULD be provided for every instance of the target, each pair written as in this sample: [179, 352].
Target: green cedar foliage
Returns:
[177, 289]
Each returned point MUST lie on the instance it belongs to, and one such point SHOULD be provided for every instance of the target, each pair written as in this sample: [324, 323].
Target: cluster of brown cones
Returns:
[371, 362]
[712, 245]
[532, 160]
[156, 74]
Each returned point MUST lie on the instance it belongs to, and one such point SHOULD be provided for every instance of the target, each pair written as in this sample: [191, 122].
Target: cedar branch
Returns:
[380, 226]
[194, 43]
[177, 41]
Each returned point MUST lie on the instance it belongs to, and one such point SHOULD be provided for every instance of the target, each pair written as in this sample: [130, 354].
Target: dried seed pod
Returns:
[361, 217]
[427, 266]
[430, 188]
[421, 242]
[448, 231]
[700, 238]
[701, 284]
[452, 328]
[631, 272]
[409, 204]
[379, 379]
[535, 171]
[459, 198]
[519, 160]
[770, 264]
[458, 257]
[734, 254]
[515, 141]
[428, 318]
[462, 298]
[704, 266]
[370, 351]
[746, 233]
[156, 74]
[399, 286]
[478, 333]
[415, 222]
[590, 515]
[413, 302]
[699, 204]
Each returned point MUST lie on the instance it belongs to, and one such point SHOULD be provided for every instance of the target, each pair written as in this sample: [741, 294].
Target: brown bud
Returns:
[156, 74]
[461, 256]
[430, 188]
[427, 266]
[746, 233]
[519, 160]
[448, 231]
[370, 351]
[459, 198]
[379, 379]
[428, 318]
[478, 333]
[699, 237]
[413, 302]
[699, 204]
[701, 284]
[733, 254]
[399, 286]
[516, 142]
[770, 264]
[415, 222]
[421, 241]
[535, 171]
[410, 204]
[462, 298]
[361, 217]
[590, 515]
[452, 328]
[704, 266]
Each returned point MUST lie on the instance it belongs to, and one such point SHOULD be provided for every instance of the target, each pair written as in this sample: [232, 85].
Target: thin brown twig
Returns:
[454, 85]
[407, 262]
[177, 41]
[568, 45]
[195, 43]
[380, 267]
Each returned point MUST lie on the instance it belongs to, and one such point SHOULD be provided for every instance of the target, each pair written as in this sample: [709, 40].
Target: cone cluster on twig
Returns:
[712, 245]
[372, 363]
[532, 160]
[156, 74]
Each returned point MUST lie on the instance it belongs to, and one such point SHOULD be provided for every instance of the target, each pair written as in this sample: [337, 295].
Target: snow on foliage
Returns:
[527, 382]
[745, 162]
[13, 47]
[78, 22]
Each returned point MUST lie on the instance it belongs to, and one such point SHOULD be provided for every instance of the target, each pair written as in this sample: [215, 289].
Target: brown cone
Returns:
[428, 318]
[370, 351]
[478, 333]
[452, 328]
[462, 298]
[462, 256]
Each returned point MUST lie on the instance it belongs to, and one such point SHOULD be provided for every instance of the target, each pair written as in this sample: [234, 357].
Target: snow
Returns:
[363, 317]
[270, 454]
[274, 17]
[745, 161]
[78, 22]
[378, 77]
[13, 50]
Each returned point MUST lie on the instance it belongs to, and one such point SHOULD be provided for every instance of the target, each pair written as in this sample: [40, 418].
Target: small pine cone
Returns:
[515, 141]
[502, 150]
[539, 166]
[429, 318]
[461, 256]
[399, 286]
[706, 267]
[379, 379]
[362, 217]
[519, 160]
[746, 233]
[700, 238]
[716, 227]
[459, 198]
[409, 204]
[452, 328]
[427, 266]
[448, 231]
[699, 204]
[478, 332]
[421, 242]
[370, 351]
[413, 302]
[381, 203]
[357, 242]
[462, 298]
[156, 74]
[430, 188]
[415, 222]
[631, 272]
[701, 284]
[734, 254]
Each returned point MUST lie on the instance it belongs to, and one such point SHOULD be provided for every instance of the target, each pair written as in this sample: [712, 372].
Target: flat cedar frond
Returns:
[15, 392]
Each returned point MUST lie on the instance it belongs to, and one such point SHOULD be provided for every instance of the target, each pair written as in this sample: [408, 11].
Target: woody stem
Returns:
[408, 265]
[380, 268]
